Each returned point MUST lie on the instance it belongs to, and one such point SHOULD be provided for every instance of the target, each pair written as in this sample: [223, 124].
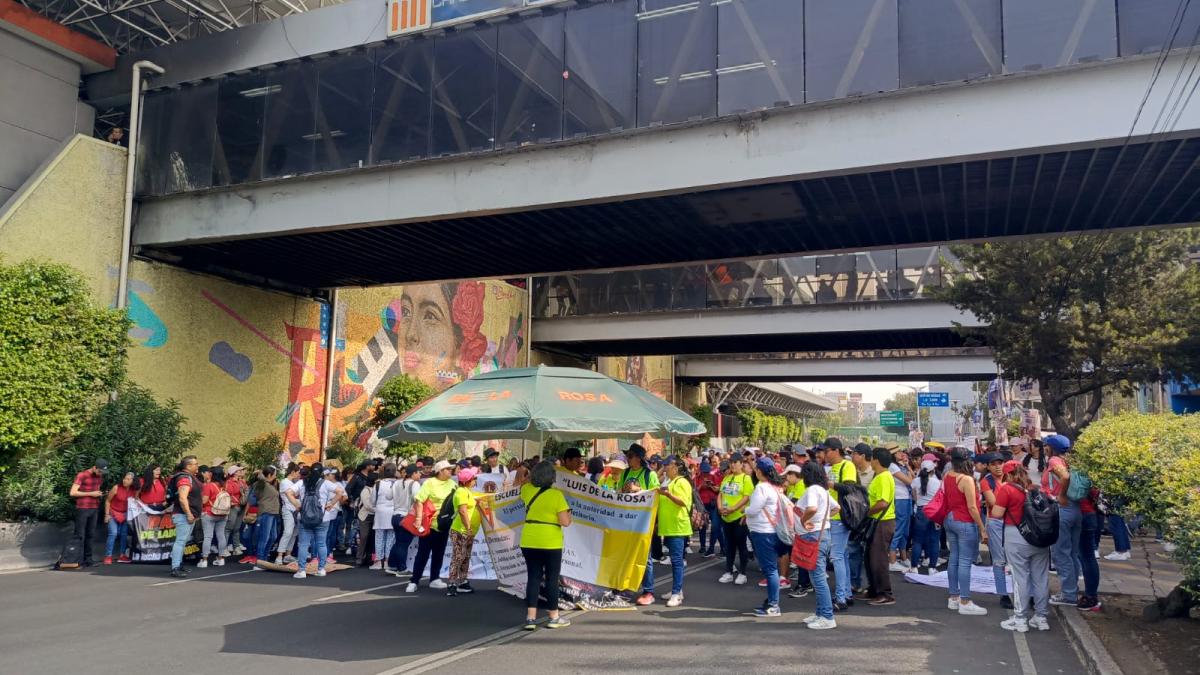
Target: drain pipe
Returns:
[135, 123]
[330, 374]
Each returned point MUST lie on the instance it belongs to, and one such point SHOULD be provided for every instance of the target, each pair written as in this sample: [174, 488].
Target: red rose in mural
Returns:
[467, 312]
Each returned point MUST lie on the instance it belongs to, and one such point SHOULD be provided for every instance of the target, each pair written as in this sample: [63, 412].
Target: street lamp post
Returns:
[917, 391]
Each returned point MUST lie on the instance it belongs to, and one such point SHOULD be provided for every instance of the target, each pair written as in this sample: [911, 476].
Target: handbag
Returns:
[937, 509]
[805, 552]
[410, 521]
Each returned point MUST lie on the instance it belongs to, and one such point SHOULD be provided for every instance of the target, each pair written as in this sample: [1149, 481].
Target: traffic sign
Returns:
[891, 418]
[933, 399]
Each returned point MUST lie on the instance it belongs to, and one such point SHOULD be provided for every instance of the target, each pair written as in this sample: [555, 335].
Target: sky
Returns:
[873, 392]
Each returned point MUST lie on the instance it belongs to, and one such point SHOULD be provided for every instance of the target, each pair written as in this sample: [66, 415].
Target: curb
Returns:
[1087, 645]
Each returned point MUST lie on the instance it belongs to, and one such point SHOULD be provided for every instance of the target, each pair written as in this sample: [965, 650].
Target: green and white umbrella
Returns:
[534, 404]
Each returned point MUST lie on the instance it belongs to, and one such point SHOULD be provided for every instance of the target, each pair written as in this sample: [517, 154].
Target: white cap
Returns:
[793, 468]
[443, 464]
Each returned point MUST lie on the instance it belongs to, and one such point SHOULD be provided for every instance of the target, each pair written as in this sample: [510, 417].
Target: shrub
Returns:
[817, 436]
[258, 452]
[396, 397]
[1150, 465]
[342, 448]
[704, 414]
[131, 431]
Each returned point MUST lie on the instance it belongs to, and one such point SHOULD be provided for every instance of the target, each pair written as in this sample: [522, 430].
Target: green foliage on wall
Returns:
[258, 452]
[704, 414]
[131, 432]
[59, 354]
[770, 430]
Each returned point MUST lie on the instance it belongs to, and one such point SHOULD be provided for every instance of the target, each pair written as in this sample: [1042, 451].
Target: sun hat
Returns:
[443, 464]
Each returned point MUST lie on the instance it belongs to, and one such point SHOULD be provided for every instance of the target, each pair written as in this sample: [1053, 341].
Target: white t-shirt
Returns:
[297, 489]
[902, 490]
[816, 496]
[763, 508]
[934, 484]
[325, 493]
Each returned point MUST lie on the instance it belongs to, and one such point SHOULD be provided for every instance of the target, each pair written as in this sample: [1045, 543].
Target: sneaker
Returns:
[279, 560]
[557, 623]
[841, 607]
[783, 583]
[1117, 555]
[124, 559]
[466, 588]
[240, 549]
[1040, 623]
[898, 567]
[376, 565]
[329, 559]
[1006, 602]
[1088, 604]
[321, 572]
[882, 601]
[811, 618]
[823, 624]
[675, 600]
[438, 584]
[226, 551]
[688, 550]
[769, 610]
[664, 560]
[725, 578]
[1060, 599]
[202, 564]
[1015, 623]
[740, 580]
[300, 574]
[248, 560]
[410, 588]
[971, 609]
[108, 560]
[289, 559]
[400, 573]
[952, 604]
[645, 599]
[219, 562]
[710, 554]
[178, 572]
[1097, 552]
[451, 591]
[530, 625]
[800, 592]
[912, 570]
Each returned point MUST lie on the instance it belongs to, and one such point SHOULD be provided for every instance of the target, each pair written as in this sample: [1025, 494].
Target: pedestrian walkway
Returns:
[1150, 571]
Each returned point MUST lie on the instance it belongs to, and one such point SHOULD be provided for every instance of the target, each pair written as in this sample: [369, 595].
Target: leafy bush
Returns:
[704, 413]
[258, 452]
[1150, 465]
[131, 431]
[817, 436]
[59, 353]
[396, 397]
[342, 448]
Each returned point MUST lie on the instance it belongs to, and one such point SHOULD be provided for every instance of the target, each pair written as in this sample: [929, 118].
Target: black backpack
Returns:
[445, 516]
[852, 498]
[173, 488]
[1039, 519]
[72, 554]
[311, 510]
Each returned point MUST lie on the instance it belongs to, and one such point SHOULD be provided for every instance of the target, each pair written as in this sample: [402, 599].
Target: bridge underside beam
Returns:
[960, 368]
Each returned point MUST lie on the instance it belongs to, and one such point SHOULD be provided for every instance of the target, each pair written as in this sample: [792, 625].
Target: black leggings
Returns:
[542, 563]
[431, 548]
[735, 544]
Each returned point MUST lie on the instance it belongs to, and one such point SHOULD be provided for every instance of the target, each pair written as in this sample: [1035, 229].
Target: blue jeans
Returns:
[332, 532]
[854, 559]
[398, 556]
[904, 509]
[926, 540]
[995, 531]
[1089, 527]
[116, 533]
[820, 580]
[840, 538]
[1120, 532]
[313, 537]
[183, 534]
[264, 531]
[1066, 550]
[710, 539]
[964, 546]
[675, 547]
[768, 562]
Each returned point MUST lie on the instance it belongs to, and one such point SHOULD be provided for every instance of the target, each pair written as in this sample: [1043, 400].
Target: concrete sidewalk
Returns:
[1150, 571]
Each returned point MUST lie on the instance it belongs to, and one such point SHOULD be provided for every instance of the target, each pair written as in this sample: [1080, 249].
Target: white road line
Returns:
[366, 590]
[211, 576]
[1023, 653]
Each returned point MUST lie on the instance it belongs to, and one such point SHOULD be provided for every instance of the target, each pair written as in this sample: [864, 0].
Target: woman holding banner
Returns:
[674, 526]
[546, 513]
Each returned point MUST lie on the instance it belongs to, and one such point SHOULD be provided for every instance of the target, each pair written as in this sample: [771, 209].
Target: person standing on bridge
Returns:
[546, 514]
[432, 547]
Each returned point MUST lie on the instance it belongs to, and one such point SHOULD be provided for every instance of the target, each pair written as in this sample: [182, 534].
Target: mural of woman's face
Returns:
[427, 333]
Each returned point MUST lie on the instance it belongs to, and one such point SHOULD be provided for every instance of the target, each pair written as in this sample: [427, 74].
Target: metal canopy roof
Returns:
[1050, 192]
[780, 399]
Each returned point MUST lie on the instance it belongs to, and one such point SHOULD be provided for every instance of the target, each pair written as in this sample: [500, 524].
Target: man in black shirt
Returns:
[183, 492]
[353, 500]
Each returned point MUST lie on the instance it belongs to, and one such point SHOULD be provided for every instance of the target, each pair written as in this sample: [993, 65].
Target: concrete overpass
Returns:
[988, 119]
[866, 366]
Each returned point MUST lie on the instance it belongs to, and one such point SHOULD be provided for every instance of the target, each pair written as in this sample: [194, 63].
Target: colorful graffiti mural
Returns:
[655, 374]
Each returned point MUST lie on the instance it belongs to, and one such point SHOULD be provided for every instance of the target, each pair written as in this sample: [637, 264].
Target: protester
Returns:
[462, 532]
[354, 487]
[492, 463]
[1073, 553]
[761, 513]
[431, 548]
[116, 506]
[1035, 461]
[988, 485]
[1030, 564]
[406, 494]
[926, 540]
[85, 489]
[291, 488]
[856, 550]
[365, 546]
[674, 508]
[334, 516]
[841, 470]
[151, 488]
[546, 513]
[184, 496]
[213, 522]
[881, 496]
[385, 508]
[267, 500]
[815, 507]
[707, 484]
[595, 469]
[736, 488]
[964, 529]
[572, 460]
[312, 537]
[903, 475]
[238, 491]
[638, 476]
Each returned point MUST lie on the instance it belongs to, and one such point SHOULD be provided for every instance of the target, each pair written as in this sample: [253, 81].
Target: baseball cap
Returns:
[232, 469]
[101, 465]
[1058, 443]
[572, 453]
[989, 457]
[328, 471]
[491, 452]
[465, 475]
[764, 464]
[443, 464]
[617, 463]
[793, 468]
[833, 443]
[1010, 466]
[862, 449]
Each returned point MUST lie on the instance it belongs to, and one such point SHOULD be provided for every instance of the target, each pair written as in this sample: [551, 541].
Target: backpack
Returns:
[785, 526]
[222, 504]
[852, 498]
[445, 516]
[173, 488]
[1039, 519]
[700, 520]
[1079, 487]
[311, 511]
[72, 554]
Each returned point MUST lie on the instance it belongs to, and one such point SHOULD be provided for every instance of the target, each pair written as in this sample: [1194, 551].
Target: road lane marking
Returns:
[1023, 653]
[366, 590]
[211, 576]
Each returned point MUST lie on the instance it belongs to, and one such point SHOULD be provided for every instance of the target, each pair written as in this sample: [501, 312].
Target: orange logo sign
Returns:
[461, 399]
[409, 15]
[579, 396]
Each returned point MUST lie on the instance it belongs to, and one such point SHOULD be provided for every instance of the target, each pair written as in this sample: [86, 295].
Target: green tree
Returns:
[704, 414]
[817, 435]
[131, 431]
[258, 452]
[1082, 313]
[59, 354]
[396, 397]
[907, 401]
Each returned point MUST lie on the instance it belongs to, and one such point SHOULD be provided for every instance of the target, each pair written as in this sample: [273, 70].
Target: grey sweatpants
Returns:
[1030, 572]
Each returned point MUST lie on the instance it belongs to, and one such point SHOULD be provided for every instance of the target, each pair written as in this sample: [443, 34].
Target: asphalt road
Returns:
[128, 618]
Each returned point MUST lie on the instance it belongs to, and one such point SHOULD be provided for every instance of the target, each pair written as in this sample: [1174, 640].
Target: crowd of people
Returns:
[860, 513]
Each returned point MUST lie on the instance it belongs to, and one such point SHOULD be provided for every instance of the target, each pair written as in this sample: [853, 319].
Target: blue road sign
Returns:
[933, 399]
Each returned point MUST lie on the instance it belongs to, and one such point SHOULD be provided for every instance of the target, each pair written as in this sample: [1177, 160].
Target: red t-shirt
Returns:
[1012, 498]
[708, 495]
[209, 492]
[234, 487]
[88, 482]
[956, 501]
[1088, 503]
[1051, 485]
[155, 493]
[119, 505]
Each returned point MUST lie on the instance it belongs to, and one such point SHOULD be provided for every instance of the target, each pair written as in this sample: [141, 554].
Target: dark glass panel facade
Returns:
[176, 148]
[530, 81]
[944, 41]
[237, 152]
[760, 47]
[601, 69]
[1040, 35]
[342, 137]
[291, 102]
[401, 105]
[677, 61]
[464, 92]
[1150, 25]
[851, 48]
